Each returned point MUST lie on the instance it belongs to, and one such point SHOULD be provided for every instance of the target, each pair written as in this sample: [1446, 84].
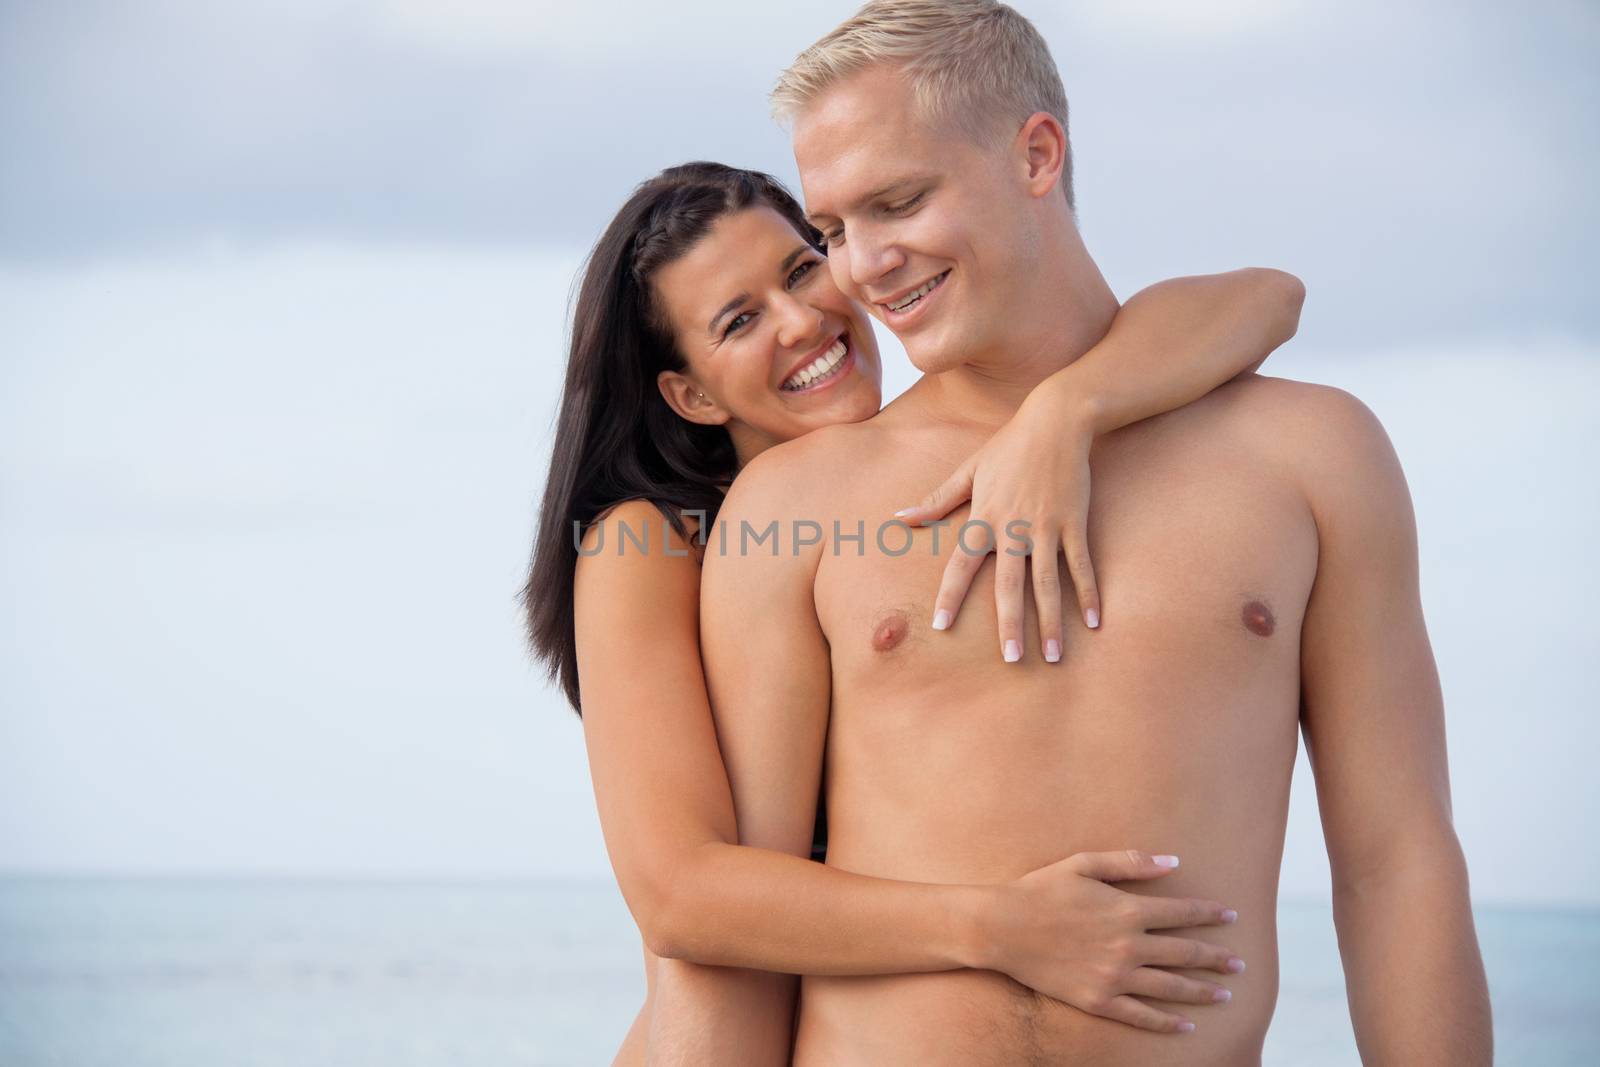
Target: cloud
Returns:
[601, 30]
[1188, 20]
[1423, 168]
[131, 127]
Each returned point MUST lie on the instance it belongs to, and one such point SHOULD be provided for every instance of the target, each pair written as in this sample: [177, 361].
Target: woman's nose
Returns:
[797, 322]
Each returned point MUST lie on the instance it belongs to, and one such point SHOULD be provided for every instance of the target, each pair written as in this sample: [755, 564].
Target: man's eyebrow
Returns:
[876, 194]
[732, 305]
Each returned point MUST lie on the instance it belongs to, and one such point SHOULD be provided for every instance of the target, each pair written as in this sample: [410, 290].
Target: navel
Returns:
[890, 631]
[1257, 618]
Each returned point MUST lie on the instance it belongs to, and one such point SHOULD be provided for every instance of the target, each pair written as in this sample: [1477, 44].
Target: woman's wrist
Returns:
[1067, 400]
[979, 926]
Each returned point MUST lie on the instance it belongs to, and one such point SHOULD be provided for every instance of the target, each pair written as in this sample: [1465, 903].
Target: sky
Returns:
[283, 293]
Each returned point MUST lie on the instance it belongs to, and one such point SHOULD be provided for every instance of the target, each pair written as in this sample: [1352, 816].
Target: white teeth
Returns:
[817, 368]
[912, 298]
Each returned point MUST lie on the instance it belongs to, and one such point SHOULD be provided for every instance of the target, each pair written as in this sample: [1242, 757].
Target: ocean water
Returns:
[206, 973]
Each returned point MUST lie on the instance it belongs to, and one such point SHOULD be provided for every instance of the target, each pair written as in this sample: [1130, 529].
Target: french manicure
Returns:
[1222, 996]
[941, 619]
[1052, 650]
[1186, 1027]
[1013, 651]
[1229, 915]
[1092, 617]
[1236, 965]
[903, 512]
[1164, 861]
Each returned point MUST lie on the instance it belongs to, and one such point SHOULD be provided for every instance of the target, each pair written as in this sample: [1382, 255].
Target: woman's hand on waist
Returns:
[1062, 930]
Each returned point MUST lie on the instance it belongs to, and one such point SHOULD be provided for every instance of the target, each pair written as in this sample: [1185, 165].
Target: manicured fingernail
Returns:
[1236, 965]
[1229, 915]
[1165, 861]
[1092, 617]
[1186, 1027]
[1222, 996]
[941, 620]
[903, 512]
[1052, 650]
[1013, 652]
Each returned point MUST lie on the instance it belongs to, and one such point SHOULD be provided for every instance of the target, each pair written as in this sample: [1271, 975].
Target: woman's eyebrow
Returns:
[730, 306]
[788, 261]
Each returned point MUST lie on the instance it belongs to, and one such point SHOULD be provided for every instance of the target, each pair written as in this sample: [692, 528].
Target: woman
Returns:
[658, 415]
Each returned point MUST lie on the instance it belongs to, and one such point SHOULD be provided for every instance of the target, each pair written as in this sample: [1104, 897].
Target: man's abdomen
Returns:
[1229, 835]
[1159, 738]
[980, 1018]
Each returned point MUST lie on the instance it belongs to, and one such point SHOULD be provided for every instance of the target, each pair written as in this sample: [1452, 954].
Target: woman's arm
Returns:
[667, 813]
[1170, 344]
[1177, 340]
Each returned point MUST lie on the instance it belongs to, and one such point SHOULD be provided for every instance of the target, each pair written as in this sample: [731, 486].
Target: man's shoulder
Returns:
[801, 472]
[1306, 405]
[1304, 421]
[1322, 416]
[1332, 442]
[769, 520]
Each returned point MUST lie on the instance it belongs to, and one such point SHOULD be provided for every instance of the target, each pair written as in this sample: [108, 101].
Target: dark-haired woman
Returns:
[657, 417]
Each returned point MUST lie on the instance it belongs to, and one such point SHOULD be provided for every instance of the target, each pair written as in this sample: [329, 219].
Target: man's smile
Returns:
[897, 308]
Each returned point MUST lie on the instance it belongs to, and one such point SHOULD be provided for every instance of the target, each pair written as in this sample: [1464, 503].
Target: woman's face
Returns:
[777, 350]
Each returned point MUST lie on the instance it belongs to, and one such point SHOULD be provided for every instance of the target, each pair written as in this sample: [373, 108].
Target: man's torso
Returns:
[1172, 729]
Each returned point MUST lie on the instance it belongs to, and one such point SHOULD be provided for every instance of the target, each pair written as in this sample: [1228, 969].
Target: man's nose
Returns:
[797, 321]
[871, 259]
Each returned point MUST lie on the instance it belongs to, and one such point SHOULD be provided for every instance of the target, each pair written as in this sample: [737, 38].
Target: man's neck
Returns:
[1065, 311]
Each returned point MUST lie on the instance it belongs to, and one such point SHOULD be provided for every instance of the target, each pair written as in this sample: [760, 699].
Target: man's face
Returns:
[910, 208]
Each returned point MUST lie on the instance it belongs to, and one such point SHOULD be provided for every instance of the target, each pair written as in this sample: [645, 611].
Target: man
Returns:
[1256, 558]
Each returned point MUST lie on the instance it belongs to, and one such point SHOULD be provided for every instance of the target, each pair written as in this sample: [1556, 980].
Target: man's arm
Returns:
[1373, 718]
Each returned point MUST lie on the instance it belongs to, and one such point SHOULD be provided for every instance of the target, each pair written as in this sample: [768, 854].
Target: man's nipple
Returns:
[1257, 618]
[890, 631]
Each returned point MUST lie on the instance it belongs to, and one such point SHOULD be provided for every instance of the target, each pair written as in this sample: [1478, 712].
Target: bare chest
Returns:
[1199, 563]
[1192, 680]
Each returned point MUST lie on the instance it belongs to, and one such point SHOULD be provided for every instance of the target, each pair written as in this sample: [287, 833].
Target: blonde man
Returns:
[1256, 557]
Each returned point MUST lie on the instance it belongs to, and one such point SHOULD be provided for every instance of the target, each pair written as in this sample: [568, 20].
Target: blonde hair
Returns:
[974, 63]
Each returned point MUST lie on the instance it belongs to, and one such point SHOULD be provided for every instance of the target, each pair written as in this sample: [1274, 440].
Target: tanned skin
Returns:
[1256, 557]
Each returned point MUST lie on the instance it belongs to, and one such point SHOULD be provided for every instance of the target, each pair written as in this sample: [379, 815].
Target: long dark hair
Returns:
[616, 439]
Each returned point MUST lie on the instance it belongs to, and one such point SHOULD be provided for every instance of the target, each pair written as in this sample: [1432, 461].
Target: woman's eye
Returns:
[905, 206]
[737, 322]
[799, 273]
[834, 238]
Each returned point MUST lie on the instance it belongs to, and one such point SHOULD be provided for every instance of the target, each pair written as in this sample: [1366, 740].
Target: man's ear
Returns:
[1043, 148]
[685, 396]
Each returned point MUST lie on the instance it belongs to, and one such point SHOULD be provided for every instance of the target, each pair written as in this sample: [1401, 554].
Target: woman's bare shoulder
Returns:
[633, 542]
[637, 586]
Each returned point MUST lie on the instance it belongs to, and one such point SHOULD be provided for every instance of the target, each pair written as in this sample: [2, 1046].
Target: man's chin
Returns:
[933, 358]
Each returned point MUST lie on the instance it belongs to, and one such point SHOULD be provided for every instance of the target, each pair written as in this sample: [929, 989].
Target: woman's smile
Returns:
[820, 371]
